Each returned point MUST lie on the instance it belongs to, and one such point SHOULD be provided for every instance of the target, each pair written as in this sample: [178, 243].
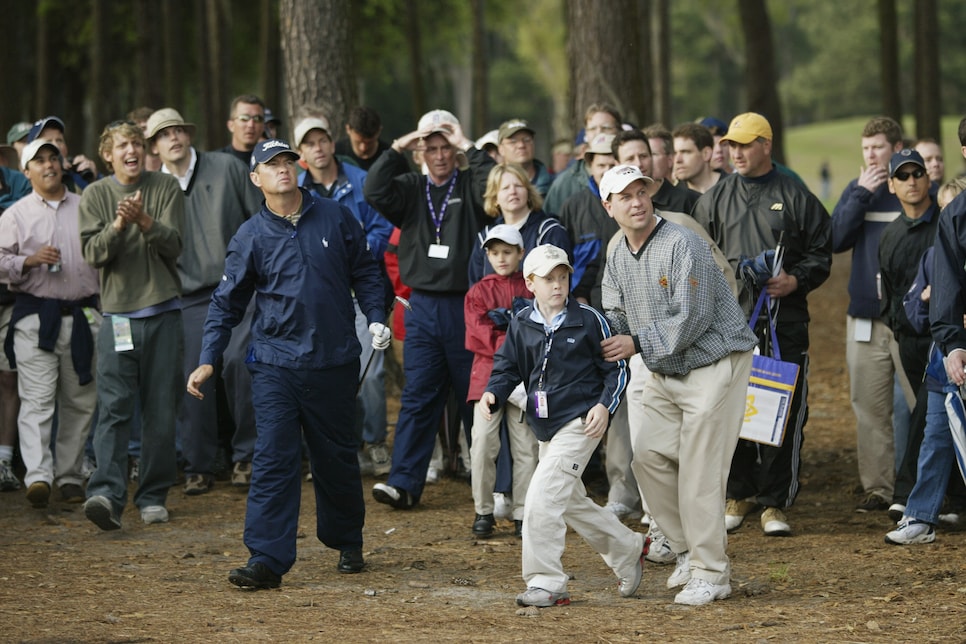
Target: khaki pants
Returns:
[682, 456]
[484, 448]
[47, 382]
[556, 499]
[872, 366]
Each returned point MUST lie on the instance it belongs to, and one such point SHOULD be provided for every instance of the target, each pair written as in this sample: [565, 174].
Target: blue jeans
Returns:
[936, 456]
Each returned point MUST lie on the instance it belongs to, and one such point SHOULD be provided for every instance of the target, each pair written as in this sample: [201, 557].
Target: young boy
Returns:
[489, 305]
[554, 346]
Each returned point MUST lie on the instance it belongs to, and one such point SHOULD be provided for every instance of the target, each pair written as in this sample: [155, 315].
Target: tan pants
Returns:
[47, 381]
[557, 499]
[872, 367]
[484, 448]
[682, 456]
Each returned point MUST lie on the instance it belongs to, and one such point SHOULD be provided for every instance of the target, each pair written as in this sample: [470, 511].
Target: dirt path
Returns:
[428, 580]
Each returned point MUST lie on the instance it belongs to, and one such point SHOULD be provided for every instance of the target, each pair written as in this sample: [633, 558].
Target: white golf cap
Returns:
[33, 148]
[505, 233]
[619, 177]
[435, 120]
[304, 126]
[543, 259]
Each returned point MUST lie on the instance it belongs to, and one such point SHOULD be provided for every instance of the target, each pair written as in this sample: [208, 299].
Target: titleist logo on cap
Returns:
[275, 144]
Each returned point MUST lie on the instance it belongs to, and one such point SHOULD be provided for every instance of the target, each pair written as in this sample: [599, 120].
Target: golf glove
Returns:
[381, 336]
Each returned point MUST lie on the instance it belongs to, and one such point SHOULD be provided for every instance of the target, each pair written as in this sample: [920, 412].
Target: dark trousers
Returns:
[770, 474]
[434, 359]
[320, 404]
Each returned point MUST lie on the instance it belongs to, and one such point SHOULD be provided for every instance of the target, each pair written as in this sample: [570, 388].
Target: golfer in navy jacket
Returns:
[302, 257]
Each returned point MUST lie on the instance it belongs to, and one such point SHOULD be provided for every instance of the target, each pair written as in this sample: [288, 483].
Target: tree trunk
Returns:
[760, 81]
[414, 41]
[172, 23]
[317, 56]
[148, 82]
[928, 108]
[480, 93]
[43, 65]
[604, 48]
[96, 109]
[889, 59]
[268, 59]
[661, 56]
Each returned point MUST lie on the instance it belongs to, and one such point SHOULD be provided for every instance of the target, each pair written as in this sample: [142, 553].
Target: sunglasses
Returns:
[903, 175]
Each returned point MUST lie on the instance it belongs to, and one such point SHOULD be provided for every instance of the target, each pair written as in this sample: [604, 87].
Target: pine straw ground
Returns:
[429, 580]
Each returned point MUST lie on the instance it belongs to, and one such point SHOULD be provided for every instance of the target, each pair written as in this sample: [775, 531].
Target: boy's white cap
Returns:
[619, 177]
[308, 124]
[543, 259]
[505, 233]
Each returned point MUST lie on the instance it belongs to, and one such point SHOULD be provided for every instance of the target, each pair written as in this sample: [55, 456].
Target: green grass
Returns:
[839, 143]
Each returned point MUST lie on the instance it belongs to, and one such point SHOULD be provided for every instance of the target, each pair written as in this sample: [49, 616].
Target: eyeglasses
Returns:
[119, 123]
[903, 175]
[245, 118]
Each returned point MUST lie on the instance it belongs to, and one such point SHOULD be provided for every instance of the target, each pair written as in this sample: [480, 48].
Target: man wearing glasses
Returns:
[600, 118]
[246, 124]
[517, 146]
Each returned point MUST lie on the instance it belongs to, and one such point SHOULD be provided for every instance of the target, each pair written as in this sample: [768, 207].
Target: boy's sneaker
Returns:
[88, 466]
[897, 511]
[774, 523]
[502, 507]
[911, 531]
[483, 526]
[736, 511]
[134, 468]
[682, 571]
[100, 512]
[8, 480]
[154, 514]
[627, 586]
[872, 502]
[381, 460]
[365, 463]
[699, 592]
[196, 484]
[71, 493]
[391, 495]
[541, 598]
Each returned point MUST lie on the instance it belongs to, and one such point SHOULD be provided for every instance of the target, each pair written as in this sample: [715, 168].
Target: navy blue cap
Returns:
[265, 151]
[902, 157]
[39, 126]
[713, 124]
[271, 118]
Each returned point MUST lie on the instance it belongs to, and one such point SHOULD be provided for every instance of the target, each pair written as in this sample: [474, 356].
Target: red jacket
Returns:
[391, 258]
[482, 336]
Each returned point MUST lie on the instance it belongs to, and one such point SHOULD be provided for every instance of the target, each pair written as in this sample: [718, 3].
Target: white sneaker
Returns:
[646, 519]
[380, 458]
[682, 571]
[365, 463]
[502, 507]
[154, 514]
[8, 480]
[699, 592]
[618, 508]
[432, 475]
[949, 518]
[774, 523]
[911, 531]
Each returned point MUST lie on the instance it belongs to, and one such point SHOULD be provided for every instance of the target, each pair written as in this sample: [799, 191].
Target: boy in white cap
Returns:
[554, 347]
[489, 306]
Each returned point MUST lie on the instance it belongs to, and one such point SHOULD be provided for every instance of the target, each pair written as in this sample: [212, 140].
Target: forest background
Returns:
[796, 61]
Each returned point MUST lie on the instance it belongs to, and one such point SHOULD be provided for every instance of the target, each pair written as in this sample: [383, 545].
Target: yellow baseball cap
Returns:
[747, 127]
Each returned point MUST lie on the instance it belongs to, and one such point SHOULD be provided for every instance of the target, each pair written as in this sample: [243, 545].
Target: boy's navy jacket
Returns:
[303, 278]
[577, 375]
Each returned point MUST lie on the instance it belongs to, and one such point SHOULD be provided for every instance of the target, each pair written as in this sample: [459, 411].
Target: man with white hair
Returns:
[440, 214]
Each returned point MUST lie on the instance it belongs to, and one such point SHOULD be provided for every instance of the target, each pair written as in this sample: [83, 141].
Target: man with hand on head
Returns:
[302, 258]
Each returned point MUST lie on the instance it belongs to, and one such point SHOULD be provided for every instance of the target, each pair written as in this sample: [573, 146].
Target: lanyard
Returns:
[438, 221]
[546, 358]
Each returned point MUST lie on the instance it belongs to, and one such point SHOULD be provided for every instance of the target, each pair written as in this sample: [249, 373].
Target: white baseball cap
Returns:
[619, 177]
[543, 259]
[304, 126]
[33, 148]
[434, 121]
[505, 233]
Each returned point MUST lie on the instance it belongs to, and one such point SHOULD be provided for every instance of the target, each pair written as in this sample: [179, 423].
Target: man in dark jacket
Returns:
[439, 215]
[302, 258]
[747, 213]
